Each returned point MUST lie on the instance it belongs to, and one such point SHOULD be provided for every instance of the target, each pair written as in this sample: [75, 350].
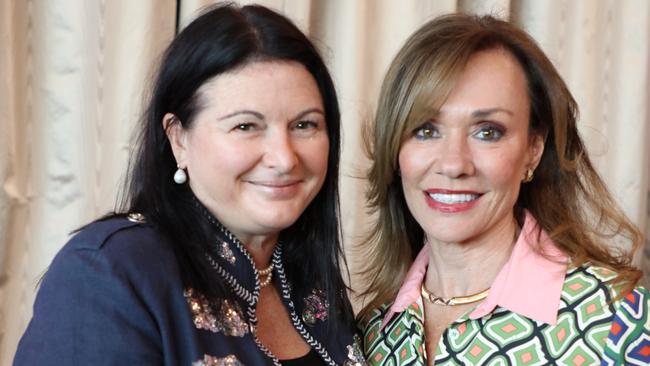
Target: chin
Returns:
[277, 224]
[448, 236]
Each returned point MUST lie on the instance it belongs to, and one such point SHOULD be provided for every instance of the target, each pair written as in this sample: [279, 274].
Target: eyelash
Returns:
[244, 126]
[426, 131]
[299, 125]
[496, 131]
[305, 124]
[429, 131]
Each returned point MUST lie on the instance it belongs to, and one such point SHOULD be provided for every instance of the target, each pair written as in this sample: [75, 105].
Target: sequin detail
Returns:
[226, 253]
[230, 360]
[355, 356]
[316, 308]
[220, 316]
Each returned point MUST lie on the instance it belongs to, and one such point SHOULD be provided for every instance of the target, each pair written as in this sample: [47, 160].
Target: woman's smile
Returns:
[449, 201]
[278, 189]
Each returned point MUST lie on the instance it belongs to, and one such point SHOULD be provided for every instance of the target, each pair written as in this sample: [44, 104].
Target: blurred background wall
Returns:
[73, 75]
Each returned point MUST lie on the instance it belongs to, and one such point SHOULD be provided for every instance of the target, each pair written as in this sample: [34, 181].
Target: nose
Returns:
[280, 153]
[455, 158]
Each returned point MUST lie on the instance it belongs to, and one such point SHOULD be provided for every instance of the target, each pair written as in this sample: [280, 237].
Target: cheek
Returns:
[316, 156]
[503, 169]
[412, 163]
[213, 156]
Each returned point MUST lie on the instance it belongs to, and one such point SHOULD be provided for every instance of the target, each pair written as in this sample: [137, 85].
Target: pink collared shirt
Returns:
[529, 284]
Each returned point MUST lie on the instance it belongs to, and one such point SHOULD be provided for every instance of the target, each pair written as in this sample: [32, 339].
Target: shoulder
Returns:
[118, 247]
[123, 237]
[114, 260]
[102, 297]
[98, 234]
[589, 280]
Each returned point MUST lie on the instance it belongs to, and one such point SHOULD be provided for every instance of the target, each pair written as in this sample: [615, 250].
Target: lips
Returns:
[278, 189]
[449, 201]
[276, 184]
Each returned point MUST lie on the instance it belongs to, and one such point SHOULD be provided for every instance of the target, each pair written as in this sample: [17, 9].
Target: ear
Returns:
[177, 138]
[535, 150]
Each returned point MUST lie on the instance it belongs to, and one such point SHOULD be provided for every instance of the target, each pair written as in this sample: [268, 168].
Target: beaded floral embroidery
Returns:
[355, 355]
[226, 253]
[224, 316]
[316, 307]
[207, 360]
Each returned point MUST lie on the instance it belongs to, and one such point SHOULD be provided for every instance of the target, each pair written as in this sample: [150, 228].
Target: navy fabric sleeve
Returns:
[87, 312]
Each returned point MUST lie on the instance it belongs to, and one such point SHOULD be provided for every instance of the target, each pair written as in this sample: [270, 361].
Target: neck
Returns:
[460, 269]
[260, 248]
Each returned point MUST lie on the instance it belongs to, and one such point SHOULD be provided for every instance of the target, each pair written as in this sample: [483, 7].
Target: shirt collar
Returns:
[529, 284]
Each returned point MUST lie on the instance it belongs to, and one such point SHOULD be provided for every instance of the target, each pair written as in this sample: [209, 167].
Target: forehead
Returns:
[265, 83]
[487, 79]
[491, 79]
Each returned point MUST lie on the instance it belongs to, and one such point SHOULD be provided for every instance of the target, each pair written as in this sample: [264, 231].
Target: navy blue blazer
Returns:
[114, 296]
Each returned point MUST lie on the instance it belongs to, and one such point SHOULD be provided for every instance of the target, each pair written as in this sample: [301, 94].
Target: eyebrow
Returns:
[308, 111]
[261, 116]
[481, 113]
[244, 111]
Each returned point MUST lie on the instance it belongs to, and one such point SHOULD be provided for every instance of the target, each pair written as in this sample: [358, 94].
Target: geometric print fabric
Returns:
[629, 339]
[591, 329]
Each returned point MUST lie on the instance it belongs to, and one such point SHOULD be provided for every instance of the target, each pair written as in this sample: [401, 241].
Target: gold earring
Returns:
[529, 175]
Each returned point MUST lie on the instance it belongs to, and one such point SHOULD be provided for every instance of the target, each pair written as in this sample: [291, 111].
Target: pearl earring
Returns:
[180, 176]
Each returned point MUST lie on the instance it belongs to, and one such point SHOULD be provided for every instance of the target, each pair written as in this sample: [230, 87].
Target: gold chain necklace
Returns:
[454, 300]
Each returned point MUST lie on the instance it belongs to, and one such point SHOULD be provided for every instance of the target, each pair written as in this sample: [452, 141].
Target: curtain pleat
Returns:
[73, 74]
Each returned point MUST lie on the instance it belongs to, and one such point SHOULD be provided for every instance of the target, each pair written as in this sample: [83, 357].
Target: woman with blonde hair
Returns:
[493, 231]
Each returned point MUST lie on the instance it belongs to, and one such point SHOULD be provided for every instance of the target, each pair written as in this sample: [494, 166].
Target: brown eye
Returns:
[244, 127]
[303, 125]
[426, 131]
[489, 133]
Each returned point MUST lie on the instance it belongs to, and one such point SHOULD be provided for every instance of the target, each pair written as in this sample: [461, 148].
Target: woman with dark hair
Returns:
[226, 250]
[491, 240]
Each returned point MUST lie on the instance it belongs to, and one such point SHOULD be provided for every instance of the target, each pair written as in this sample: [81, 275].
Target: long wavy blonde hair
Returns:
[567, 197]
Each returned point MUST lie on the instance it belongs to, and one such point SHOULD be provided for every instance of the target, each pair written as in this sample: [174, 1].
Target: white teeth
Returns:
[453, 198]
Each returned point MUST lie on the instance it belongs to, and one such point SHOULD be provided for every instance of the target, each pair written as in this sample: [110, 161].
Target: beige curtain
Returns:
[72, 74]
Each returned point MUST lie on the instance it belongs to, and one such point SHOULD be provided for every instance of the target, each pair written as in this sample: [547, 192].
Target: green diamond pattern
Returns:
[528, 354]
[405, 353]
[459, 335]
[560, 337]
[576, 286]
[478, 351]
[579, 355]
[592, 309]
[396, 334]
[372, 336]
[498, 361]
[597, 335]
[379, 355]
[603, 274]
[508, 329]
